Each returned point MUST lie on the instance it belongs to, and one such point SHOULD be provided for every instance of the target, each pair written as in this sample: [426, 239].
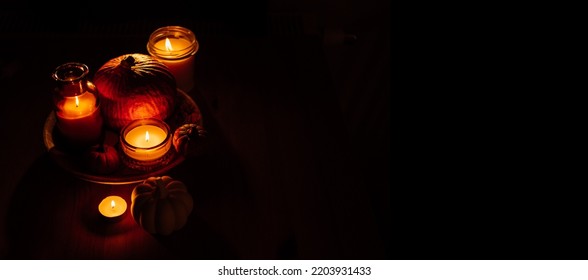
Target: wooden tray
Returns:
[186, 112]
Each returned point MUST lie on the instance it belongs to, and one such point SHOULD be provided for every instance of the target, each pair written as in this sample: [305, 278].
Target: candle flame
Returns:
[168, 46]
[146, 136]
[77, 102]
[112, 204]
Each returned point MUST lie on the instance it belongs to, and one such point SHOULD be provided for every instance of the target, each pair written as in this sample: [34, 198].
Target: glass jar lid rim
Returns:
[70, 71]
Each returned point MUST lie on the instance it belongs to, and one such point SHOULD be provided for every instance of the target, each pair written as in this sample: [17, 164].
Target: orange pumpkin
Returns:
[135, 86]
[182, 136]
[102, 159]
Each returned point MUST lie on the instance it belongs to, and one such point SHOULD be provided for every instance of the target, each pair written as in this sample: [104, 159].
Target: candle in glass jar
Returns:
[79, 119]
[146, 139]
[112, 207]
[175, 46]
[76, 105]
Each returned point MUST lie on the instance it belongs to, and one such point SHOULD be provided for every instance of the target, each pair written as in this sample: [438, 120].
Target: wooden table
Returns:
[274, 177]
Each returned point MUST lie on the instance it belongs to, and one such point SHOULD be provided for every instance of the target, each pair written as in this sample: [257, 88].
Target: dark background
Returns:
[353, 37]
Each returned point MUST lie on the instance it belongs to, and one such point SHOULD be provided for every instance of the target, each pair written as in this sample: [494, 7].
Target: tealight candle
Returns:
[112, 207]
[176, 47]
[146, 139]
[77, 105]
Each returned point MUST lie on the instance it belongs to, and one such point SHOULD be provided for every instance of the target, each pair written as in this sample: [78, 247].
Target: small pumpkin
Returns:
[161, 205]
[102, 159]
[182, 136]
[135, 86]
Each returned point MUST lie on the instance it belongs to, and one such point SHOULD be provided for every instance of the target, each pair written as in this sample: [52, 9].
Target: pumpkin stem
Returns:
[128, 62]
[161, 192]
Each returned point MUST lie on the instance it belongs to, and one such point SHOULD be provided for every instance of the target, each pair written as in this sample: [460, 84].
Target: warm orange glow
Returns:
[77, 102]
[146, 141]
[112, 207]
[168, 46]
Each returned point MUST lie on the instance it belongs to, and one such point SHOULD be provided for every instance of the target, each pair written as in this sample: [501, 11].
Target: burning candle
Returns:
[176, 47]
[112, 207]
[146, 139]
[76, 105]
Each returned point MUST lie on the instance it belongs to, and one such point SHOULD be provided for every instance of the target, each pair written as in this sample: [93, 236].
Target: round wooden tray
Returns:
[186, 112]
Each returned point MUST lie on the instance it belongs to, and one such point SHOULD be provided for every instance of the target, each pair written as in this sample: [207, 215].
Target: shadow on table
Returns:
[54, 215]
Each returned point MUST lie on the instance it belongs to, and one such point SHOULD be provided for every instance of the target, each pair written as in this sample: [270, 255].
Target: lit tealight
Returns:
[112, 207]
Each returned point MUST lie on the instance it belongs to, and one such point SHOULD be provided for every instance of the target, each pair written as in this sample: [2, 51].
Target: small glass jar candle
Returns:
[176, 47]
[77, 105]
[146, 141]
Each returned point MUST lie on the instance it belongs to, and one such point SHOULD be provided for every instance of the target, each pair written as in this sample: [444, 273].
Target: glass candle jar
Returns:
[146, 142]
[77, 105]
[176, 47]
